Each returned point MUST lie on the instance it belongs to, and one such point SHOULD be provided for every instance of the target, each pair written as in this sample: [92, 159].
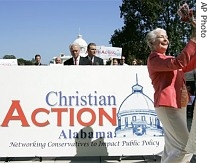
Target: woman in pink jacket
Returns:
[171, 96]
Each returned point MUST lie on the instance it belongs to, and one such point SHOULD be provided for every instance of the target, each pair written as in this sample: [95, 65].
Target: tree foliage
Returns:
[142, 16]
[22, 61]
[9, 56]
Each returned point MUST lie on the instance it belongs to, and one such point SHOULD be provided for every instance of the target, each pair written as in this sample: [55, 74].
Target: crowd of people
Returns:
[90, 59]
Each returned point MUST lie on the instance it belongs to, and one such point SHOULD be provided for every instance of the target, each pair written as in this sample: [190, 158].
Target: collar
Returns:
[78, 58]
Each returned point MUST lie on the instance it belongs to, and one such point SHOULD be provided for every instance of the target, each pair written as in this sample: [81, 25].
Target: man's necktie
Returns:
[91, 60]
[76, 61]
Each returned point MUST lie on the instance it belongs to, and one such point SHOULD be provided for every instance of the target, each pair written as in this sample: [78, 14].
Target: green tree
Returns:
[9, 57]
[28, 62]
[22, 61]
[141, 16]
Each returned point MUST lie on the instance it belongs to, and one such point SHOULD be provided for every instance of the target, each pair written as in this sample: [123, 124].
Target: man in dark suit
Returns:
[76, 59]
[91, 50]
[37, 58]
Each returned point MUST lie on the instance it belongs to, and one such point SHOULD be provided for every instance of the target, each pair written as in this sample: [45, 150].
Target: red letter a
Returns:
[9, 116]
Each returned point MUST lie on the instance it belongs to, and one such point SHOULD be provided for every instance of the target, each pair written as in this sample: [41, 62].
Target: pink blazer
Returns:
[167, 75]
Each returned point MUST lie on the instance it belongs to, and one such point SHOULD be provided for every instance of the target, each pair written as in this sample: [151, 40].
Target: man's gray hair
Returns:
[74, 44]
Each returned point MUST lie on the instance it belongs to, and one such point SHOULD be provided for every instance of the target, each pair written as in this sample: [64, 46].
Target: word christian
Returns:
[72, 106]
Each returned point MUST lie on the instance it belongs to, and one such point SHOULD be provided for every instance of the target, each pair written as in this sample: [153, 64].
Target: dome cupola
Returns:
[82, 43]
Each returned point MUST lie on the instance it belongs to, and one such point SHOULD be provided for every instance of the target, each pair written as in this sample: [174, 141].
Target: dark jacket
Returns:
[82, 61]
[97, 60]
[167, 75]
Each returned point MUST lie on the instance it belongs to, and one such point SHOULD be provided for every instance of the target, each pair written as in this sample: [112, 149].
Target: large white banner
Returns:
[77, 111]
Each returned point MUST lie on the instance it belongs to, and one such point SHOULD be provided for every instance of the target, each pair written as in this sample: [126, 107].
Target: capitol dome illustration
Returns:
[136, 115]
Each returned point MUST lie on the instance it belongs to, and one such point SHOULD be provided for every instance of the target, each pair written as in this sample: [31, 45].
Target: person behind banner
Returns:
[112, 62]
[134, 62]
[171, 96]
[91, 50]
[76, 59]
[115, 62]
[109, 61]
[122, 61]
[37, 58]
[58, 60]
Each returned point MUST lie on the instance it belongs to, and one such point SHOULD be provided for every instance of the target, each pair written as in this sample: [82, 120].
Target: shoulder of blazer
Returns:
[83, 58]
[86, 61]
[67, 62]
[81, 61]
[99, 58]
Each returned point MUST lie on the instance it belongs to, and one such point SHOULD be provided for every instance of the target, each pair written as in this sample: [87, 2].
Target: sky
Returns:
[48, 27]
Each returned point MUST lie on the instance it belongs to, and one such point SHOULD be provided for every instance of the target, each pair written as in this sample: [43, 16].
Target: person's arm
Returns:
[161, 62]
[191, 66]
[193, 35]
